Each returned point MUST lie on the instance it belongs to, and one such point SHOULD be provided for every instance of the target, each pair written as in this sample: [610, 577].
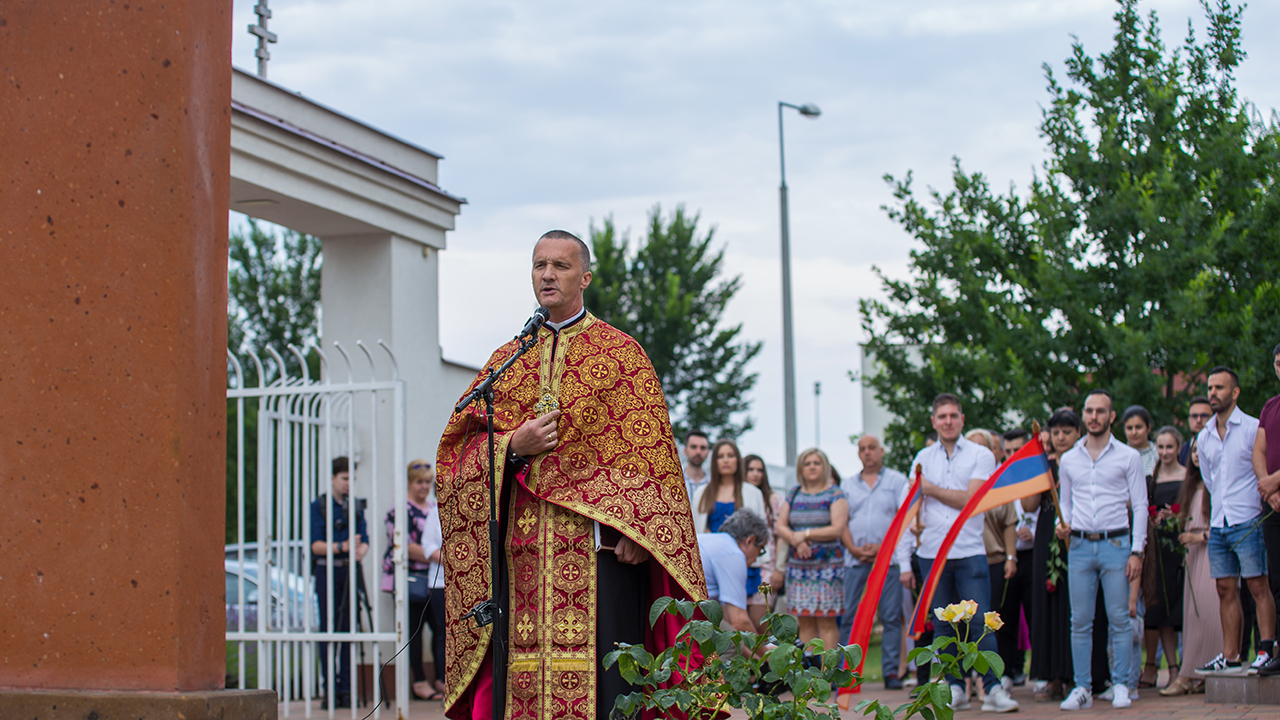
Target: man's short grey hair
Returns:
[744, 523]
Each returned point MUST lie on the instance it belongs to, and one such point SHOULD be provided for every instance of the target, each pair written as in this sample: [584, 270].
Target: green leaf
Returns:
[785, 628]
[940, 694]
[994, 661]
[659, 606]
[686, 608]
[921, 656]
[712, 610]
[780, 659]
[853, 655]
[684, 700]
[627, 668]
[611, 658]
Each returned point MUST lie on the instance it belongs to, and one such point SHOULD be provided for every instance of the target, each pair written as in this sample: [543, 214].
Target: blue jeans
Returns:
[890, 610]
[964, 579]
[1090, 564]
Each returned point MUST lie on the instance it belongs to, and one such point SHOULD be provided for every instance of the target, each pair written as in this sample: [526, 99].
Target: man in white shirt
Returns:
[1101, 480]
[874, 497]
[1236, 545]
[726, 554]
[696, 448]
[953, 470]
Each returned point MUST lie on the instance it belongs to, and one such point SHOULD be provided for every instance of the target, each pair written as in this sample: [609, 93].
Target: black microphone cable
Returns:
[417, 629]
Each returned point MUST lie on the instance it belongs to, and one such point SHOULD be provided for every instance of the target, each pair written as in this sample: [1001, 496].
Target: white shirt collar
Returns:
[556, 326]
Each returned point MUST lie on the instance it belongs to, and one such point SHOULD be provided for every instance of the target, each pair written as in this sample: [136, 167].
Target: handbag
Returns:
[419, 587]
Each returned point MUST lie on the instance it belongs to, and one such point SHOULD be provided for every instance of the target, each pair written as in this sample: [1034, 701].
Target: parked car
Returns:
[292, 598]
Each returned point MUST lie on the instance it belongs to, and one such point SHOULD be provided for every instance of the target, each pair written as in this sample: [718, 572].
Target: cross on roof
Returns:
[264, 36]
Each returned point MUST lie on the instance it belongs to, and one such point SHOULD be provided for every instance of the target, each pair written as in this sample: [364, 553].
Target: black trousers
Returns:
[430, 613]
[341, 623]
[1271, 536]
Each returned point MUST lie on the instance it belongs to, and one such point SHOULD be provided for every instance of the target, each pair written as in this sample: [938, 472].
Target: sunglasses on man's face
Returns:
[1201, 416]
[419, 466]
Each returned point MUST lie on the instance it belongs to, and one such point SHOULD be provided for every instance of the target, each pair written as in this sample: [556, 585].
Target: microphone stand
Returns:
[487, 611]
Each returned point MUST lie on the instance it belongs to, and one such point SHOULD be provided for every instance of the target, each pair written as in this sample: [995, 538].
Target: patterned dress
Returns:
[815, 585]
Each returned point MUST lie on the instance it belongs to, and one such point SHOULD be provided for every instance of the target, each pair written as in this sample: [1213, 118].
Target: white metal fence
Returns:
[273, 614]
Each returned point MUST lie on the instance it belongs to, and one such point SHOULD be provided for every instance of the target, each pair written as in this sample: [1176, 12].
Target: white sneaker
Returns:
[1258, 662]
[1006, 682]
[999, 700]
[1108, 694]
[1079, 699]
[1121, 697]
[959, 699]
[1133, 695]
[910, 681]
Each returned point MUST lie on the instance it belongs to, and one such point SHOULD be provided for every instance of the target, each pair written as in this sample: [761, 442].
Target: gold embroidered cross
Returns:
[526, 520]
[570, 626]
[525, 627]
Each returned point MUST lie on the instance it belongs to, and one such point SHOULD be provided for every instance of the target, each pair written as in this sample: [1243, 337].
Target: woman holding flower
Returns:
[1201, 631]
[1162, 568]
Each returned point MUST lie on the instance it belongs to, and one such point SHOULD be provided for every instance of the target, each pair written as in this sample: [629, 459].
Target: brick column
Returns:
[114, 144]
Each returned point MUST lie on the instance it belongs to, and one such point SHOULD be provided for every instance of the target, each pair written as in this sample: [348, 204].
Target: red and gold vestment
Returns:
[616, 464]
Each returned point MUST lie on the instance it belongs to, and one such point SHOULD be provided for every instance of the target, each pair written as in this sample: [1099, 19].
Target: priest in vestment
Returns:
[595, 520]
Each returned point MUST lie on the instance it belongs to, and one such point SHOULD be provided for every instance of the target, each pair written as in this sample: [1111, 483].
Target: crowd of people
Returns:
[1160, 550]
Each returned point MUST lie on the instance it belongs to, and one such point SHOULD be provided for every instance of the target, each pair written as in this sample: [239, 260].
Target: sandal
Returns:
[1144, 683]
[1179, 686]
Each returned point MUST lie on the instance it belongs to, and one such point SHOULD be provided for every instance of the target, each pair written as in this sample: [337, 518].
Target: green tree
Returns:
[273, 300]
[668, 297]
[273, 297]
[1142, 253]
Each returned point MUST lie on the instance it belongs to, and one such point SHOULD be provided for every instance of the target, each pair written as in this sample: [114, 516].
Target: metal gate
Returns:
[273, 627]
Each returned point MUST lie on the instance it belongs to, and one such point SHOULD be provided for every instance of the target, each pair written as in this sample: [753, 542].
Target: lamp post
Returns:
[811, 111]
[817, 415]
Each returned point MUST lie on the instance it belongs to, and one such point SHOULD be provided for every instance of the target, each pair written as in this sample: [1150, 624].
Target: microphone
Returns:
[539, 319]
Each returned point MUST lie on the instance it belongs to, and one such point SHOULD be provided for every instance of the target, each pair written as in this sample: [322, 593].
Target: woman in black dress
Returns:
[1050, 603]
[1162, 571]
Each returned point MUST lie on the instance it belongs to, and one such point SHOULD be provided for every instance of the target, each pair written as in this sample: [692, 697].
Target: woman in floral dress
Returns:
[811, 522]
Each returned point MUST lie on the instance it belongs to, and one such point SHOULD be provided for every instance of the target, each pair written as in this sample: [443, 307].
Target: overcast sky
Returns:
[555, 114]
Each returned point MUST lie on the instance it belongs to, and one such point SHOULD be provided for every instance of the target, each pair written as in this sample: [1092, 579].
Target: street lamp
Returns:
[810, 111]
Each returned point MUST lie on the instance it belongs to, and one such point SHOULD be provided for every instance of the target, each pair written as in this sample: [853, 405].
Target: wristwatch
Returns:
[1136, 554]
[1011, 558]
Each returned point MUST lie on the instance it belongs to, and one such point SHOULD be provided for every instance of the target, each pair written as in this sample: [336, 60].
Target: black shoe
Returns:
[1271, 668]
[342, 701]
[891, 682]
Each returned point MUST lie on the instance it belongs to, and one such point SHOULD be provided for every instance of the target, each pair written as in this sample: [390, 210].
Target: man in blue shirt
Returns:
[335, 550]
[725, 557]
[874, 498]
